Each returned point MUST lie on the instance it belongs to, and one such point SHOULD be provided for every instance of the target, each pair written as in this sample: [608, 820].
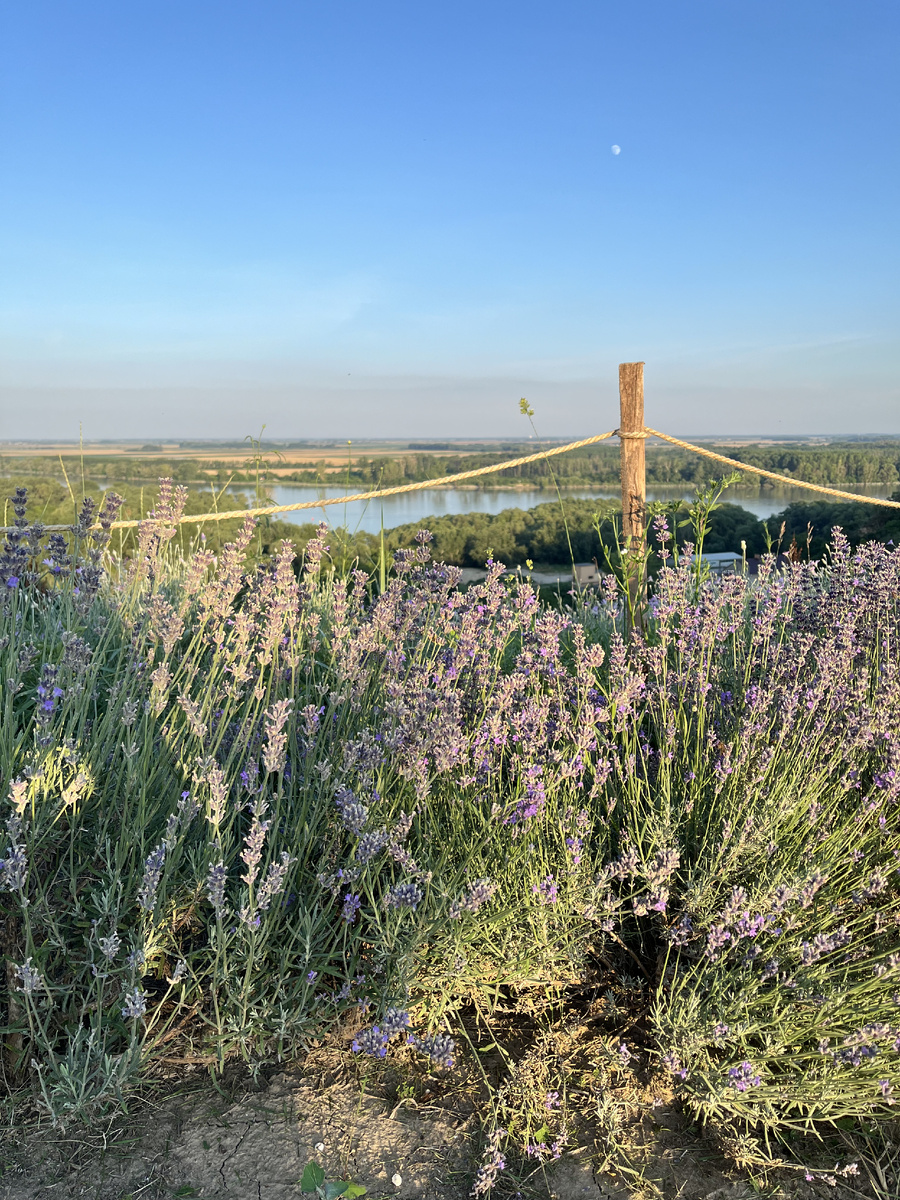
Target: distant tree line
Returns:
[835, 465]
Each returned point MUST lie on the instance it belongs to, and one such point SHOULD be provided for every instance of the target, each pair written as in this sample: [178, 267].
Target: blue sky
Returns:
[357, 219]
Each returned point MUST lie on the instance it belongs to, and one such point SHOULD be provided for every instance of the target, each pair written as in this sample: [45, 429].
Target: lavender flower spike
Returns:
[479, 893]
[135, 1004]
[273, 884]
[274, 755]
[403, 895]
[153, 868]
[492, 1164]
[439, 1047]
[215, 886]
[742, 1077]
[371, 1041]
[30, 979]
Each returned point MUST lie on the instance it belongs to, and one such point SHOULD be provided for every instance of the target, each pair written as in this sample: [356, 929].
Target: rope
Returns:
[238, 513]
[733, 462]
[243, 513]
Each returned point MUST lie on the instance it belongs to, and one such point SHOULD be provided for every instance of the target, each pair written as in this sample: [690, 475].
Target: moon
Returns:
[617, 149]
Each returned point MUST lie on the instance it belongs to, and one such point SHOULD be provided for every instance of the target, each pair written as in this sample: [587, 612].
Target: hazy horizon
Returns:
[434, 409]
[162, 443]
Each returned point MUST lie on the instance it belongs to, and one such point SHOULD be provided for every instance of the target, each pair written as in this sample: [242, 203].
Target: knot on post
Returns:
[640, 433]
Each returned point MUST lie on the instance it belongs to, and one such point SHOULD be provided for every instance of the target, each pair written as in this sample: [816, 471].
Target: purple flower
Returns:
[370, 1041]
[273, 884]
[253, 843]
[748, 927]
[14, 868]
[439, 1047]
[135, 1004]
[547, 891]
[681, 934]
[374, 1041]
[657, 901]
[492, 1164]
[371, 844]
[715, 940]
[276, 735]
[823, 944]
[813, 885]
[534, 800]
[662, 868]
[249, 775]
[350, 908]
[403, 895]
[153, 868]
[574, 846]
[673, 1064]
[394, 1021]
[626, 864]
[215, 886]
[109, 946]
[30, 979]
[479, 893]
[742, 1077]
[353, 814]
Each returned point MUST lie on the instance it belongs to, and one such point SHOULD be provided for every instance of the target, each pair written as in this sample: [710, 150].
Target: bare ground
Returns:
[246, 1139]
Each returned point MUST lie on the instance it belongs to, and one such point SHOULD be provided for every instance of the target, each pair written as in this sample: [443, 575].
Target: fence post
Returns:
[634, 486]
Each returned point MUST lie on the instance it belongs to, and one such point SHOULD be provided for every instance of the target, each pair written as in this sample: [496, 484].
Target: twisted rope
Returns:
[271, 510]
[733, 462]
[240, 513]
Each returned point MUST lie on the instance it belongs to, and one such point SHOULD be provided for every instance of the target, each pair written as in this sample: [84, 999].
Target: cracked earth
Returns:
[252, 1142]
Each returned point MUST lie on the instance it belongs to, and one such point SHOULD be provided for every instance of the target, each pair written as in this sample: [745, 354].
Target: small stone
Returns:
[396, 1180]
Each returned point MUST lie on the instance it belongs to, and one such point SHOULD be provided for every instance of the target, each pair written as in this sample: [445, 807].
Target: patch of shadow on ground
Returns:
[246, 1140]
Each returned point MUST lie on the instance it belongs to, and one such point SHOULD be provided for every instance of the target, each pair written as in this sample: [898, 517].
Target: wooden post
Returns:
[634, 485]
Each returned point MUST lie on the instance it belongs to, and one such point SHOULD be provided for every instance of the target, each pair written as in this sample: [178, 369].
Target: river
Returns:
[415, 507]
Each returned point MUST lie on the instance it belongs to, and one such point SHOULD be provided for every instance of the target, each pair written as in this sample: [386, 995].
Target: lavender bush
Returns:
[243, 800]
[766, 761]
[240, 801]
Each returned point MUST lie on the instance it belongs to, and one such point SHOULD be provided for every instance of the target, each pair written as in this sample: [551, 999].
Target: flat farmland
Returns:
[114, 460]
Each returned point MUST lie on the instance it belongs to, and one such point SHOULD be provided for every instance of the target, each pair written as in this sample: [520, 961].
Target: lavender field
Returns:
[250, 800]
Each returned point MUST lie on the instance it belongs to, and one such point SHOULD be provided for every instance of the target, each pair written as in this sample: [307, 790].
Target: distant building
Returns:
[724, 562]
[587, 575]
[728, 562]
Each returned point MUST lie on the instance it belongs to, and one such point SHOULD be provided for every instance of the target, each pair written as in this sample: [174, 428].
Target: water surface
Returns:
[415, 507]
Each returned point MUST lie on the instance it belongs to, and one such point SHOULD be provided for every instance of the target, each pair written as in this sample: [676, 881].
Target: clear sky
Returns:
[342, 218]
